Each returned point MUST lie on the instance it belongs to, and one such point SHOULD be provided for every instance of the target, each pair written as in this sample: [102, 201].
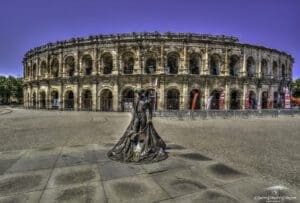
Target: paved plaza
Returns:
[61, 157]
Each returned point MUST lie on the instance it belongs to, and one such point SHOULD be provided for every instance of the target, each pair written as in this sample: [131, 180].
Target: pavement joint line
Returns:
[19, 193]
[104, 191]
[53, 167]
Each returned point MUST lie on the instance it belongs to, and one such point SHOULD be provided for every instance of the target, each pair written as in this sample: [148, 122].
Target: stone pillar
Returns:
[62, 98]
[258, 97]
[38, 97]
[48, 97]
[225, 71]
[115, 98]
[184, 97]
[206, 95]
[161, 67]
[137, 63]
[161, 97]
[76, 95]
[243, 100]
[244, 65]
[94, 96]
[116, 63]
[38, 68]
[61, 66]
[205, 67]
[95, 63]
[183, 62]
[227, 97]
[76, 61]
[259, 65]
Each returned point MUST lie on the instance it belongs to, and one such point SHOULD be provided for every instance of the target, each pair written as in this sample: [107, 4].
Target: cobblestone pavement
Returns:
[73, 167]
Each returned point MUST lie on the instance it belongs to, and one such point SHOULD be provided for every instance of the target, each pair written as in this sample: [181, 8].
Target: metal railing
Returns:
[226, 114]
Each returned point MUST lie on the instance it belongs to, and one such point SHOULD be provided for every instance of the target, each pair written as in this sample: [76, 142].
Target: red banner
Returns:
[196, 95]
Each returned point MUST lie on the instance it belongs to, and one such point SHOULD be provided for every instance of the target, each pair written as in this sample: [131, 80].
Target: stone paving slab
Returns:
[80, 174]
[36, 160]
[83, 173]
[74, 155]
[84, 193]
[207, 196]
[112, 170]
[179, 182]
[23, 182]
[133, 189]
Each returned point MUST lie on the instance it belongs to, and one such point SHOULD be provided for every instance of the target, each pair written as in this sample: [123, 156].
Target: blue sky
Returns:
[31, 23]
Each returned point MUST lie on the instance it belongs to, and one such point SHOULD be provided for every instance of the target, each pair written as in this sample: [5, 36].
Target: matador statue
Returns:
[140, 142]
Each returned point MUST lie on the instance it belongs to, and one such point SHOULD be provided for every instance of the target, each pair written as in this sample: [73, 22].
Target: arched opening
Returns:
[34, 100]
[69, 100]
[127, 99]
[172, 63]
[54, 68]
[106, 100]
[70, 66]
[43, 69]
[283, 71]
[275, 69]
[150, 65]
[128, 63]
[235, 100]
[87, 64]
[34, 71]
[250, 67]
[264, 100]
[54, 100]
[173, 99]
[151, 94]
[276, 100]
[252, 100]
[195, 95]
[234, 66]
[107, 63]
[42, 100]
[215, 64]
[87, 100]
[264, 69]
[215, 99]
[194, 64]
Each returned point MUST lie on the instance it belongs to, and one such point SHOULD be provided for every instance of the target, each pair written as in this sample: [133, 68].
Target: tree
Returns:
[296, 88]
[10, 88]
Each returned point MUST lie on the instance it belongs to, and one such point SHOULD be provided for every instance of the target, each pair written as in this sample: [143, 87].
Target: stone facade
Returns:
[101, 72]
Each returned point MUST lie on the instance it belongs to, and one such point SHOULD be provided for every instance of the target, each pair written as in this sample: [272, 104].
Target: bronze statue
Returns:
[140, 143]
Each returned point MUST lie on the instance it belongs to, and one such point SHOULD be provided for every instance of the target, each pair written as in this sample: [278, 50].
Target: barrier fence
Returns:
[226, 114]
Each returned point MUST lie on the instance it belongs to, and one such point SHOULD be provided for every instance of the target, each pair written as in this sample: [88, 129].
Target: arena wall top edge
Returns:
[152, 36]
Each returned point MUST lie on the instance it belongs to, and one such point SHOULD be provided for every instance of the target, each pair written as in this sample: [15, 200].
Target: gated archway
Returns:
[235, 100]
[106, 100]
[151, 94]
[127, 99]
[42, 100]
[264, 100]
[69, 100]
[54, 100]
[276, 99]
[195, 94]
[173, 99]
[252, 100]
[215, 99]
[86, 100]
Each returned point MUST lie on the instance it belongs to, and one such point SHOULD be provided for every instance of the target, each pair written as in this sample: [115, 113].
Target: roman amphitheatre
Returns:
[101, 72]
